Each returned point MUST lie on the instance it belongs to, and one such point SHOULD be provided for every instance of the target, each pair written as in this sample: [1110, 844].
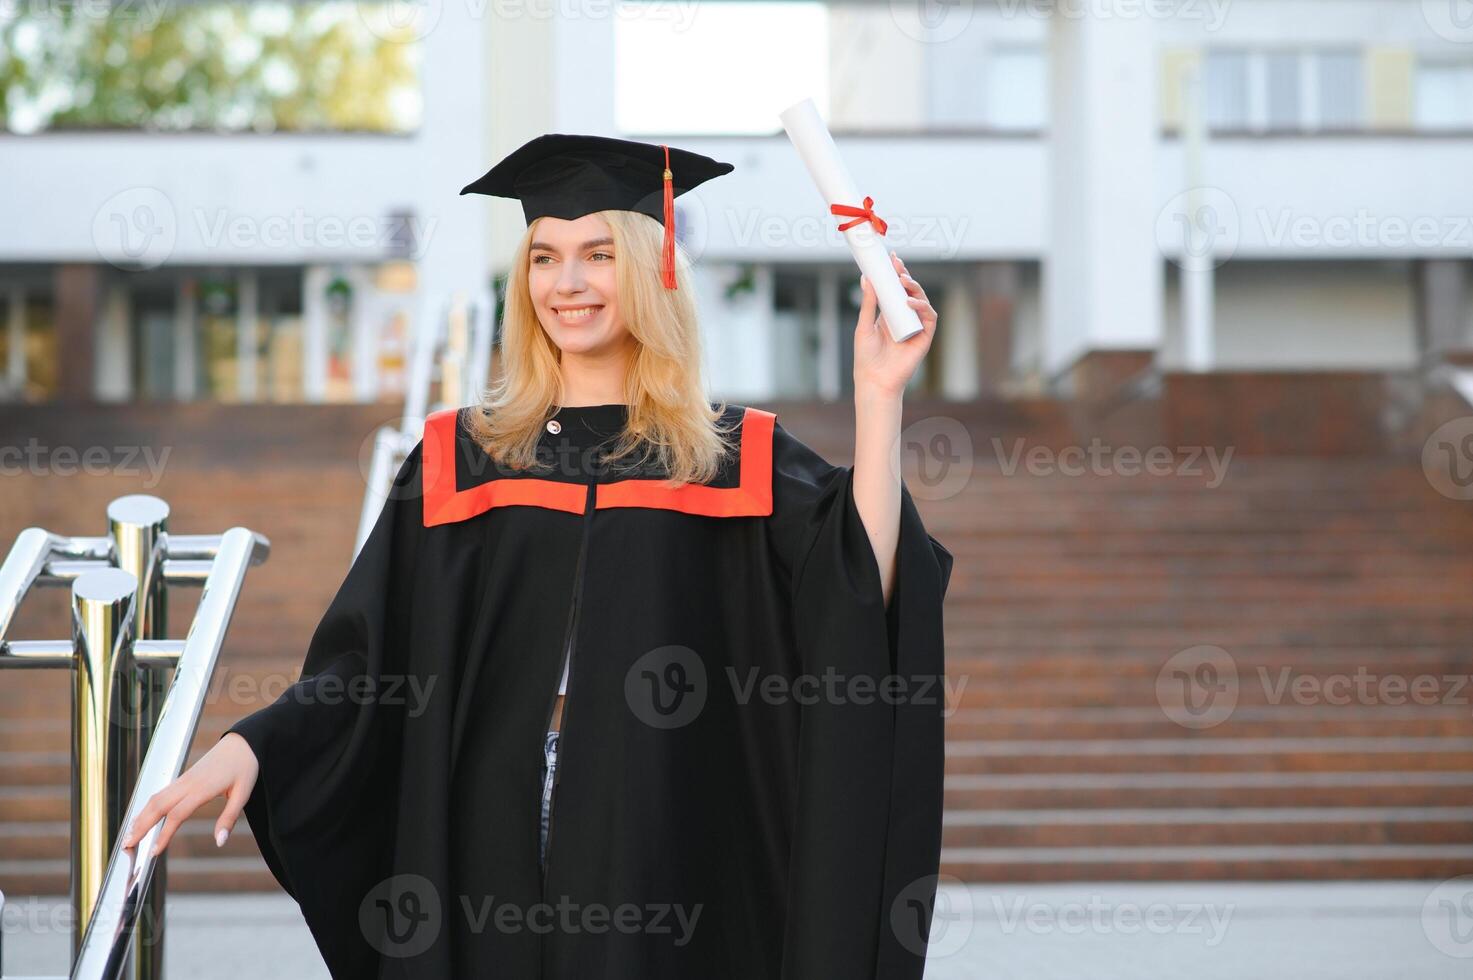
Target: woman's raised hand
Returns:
[229, 769]
[880, 364]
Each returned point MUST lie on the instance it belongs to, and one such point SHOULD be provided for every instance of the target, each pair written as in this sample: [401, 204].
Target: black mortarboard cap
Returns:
[567, 176]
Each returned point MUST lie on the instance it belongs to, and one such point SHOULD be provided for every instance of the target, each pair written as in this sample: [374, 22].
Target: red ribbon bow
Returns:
[861, 215]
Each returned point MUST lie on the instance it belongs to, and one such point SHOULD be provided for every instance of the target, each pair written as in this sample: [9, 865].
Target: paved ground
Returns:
[1099, 931]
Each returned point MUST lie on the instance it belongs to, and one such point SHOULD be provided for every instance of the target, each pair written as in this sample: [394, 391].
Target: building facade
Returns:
[1209, 186]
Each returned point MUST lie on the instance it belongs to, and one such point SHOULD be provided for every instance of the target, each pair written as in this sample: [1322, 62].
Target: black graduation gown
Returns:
[741, 793]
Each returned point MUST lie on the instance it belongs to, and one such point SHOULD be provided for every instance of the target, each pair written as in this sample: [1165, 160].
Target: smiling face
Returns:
[571, 278]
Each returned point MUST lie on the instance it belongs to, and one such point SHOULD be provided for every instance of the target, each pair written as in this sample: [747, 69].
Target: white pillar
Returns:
[1103, 275]
[186, 342]
[453, 140]
[15, 328]
[830, 380]
[113, 366]
[1197, 260]
[956, 336]
[367, 319]
[1443, 288]
[247, 316]
[736, 334]
[315, 279]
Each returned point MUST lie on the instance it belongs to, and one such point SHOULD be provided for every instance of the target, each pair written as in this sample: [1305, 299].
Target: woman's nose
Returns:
[571, 279]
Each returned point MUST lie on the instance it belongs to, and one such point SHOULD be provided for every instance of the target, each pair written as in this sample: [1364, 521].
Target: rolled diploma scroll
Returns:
[815, 144]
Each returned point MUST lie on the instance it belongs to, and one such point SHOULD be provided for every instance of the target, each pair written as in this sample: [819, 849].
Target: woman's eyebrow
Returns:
[594, 243]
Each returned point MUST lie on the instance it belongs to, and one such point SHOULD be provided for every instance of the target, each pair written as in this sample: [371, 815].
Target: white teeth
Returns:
[583, 314]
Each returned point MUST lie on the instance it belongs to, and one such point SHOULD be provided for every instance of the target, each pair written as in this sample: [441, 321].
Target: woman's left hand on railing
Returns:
[229, 769]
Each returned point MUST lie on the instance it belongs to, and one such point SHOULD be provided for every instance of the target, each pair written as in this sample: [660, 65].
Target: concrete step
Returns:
[1209, 826]
[1215, 863]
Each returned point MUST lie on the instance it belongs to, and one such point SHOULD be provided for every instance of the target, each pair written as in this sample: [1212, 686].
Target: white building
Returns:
[1035, 161]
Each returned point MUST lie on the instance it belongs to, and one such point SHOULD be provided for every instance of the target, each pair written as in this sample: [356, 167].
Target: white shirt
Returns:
[567, 661]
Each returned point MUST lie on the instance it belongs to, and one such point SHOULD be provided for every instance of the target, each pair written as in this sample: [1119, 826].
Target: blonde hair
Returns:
[669, 416]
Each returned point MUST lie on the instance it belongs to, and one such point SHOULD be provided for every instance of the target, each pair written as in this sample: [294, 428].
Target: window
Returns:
[1017, 88]
[956, 79]
[1282, 104]
[1444, 98]
[1284, 90]
[1340, 89]
[1227, 90]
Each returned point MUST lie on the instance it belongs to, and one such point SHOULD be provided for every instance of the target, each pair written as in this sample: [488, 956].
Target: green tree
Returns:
[258, 66]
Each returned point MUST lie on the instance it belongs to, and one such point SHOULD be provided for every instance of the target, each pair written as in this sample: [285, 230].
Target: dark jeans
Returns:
[549, 771]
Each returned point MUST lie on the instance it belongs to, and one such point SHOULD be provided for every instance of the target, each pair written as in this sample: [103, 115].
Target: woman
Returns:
[624, 683]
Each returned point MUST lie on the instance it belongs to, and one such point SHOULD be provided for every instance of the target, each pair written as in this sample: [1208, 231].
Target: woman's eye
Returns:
[537, 259]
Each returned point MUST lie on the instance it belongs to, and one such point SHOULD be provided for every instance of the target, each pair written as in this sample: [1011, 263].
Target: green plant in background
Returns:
[217, 297]
[257, 66]
[744, 283]
[339, 296]
[498, 290]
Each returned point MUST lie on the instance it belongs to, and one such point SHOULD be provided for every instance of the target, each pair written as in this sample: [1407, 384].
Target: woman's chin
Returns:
[582, 344]
[590, 340]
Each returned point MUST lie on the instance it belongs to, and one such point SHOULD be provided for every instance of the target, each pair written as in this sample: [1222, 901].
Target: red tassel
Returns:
[667, 265]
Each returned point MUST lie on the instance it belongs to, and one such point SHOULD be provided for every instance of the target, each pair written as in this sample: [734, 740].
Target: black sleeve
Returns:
[867, 842]
[329, 748]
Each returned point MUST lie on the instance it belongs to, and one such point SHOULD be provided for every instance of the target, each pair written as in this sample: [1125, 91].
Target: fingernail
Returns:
[220, 837]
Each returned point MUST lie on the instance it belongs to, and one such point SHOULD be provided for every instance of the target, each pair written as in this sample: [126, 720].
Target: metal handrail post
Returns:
[138, 530]
[102, 634]
[116, 655]
[104, 948]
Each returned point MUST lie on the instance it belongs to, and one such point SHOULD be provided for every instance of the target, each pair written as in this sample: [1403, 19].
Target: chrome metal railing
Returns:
[456, 341]
[131, 730]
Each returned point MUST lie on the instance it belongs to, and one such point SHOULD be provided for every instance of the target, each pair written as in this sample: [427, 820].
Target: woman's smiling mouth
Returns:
[578, 314]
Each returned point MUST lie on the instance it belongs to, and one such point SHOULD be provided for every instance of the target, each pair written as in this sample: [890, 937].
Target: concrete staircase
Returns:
[1310, 574]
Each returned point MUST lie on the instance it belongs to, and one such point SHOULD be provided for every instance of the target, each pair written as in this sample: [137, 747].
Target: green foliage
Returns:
[251, 66]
